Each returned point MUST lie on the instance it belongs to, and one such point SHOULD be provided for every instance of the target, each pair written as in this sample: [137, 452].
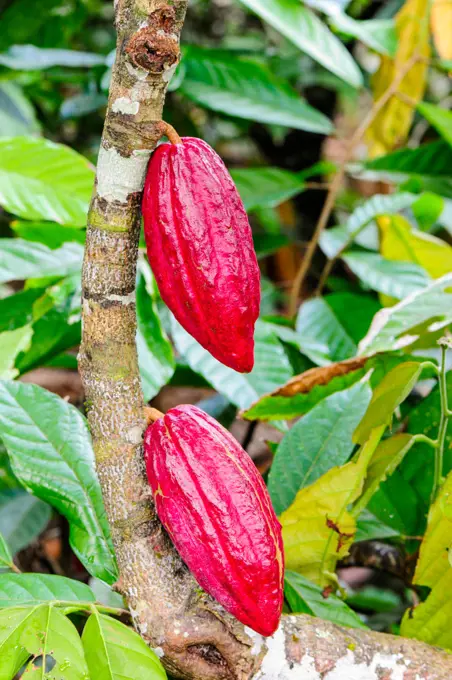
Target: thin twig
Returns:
[442, 430]
[337, 182]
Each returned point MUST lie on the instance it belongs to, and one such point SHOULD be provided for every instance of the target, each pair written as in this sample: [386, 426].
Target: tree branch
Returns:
[193, 635]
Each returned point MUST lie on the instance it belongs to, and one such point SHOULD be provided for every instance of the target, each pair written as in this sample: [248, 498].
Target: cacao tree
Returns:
[348, 400]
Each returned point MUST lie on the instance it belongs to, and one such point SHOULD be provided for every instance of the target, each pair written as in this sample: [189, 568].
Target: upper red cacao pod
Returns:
[215, 506]
[201, 250]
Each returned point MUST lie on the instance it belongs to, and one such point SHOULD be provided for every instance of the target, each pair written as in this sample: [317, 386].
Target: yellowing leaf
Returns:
[400, 241]
[430, 621]
[391, 125]
[441, 23]
[318, 528]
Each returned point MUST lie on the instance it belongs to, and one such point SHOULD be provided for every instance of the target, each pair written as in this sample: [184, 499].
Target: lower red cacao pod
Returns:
[215, 506]
[201, 250]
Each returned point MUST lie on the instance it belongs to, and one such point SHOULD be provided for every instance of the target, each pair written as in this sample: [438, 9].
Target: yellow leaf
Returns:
[391, 125]
[430, 621]
[400, 241]
[318, 528]
[441, 23]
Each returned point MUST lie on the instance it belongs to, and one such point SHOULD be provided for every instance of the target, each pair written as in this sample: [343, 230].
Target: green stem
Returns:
[444, 419]
[423, 439]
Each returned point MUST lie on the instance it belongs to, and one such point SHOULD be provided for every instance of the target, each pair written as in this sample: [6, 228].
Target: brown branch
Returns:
[193, 635]
[335, 188]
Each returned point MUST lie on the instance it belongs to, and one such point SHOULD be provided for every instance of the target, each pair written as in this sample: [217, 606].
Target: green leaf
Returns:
[267, 244]
[387, 396]
[368, 528]
[115, 652]
[31, 58]
[6, 559]
[20, 21]
[315, 443]
[440, 119]
[429, 621]
[391, 327]
[50, 450]
[41, 180]
[427, 210]
[16, 310]
[379, 34]
[271, 366]
[429, 160]
[17, 115]
[33, 260]
[397, 505]
[82, 104]
[11, 344]
[266, 187]
[22, 518]
[155, 354]
[314, 350]
[302, 27]
[399, 241]
[396, 279]
[317, 527]
[418, 465]
[333, 240]
[49, 234]
[48, 633]
[387, 457]
[246, 89]
[328, 321]
[305, 597]
[12, 653]
[32, 589]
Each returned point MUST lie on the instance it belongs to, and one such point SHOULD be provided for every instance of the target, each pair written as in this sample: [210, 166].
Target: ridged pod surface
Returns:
[215, 506]
[201, 250]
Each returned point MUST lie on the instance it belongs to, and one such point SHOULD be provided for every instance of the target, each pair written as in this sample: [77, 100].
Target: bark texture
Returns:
[193, 635]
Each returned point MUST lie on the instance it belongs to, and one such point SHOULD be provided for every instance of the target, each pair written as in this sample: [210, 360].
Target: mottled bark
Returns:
[193, 635]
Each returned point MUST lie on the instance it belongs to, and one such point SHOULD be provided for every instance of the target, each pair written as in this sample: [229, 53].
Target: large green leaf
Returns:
[318, 527]
[266, 187]
[24, 260]
[11, 344]
[387, 457]
[32, 58]
[239, 87]
[48, 633]
[396, 279]
[305, 597]
[50, 234]
[155, 354]
[41, 180]
[368, 528]
[338, 321]
[441, 119]
[17, 115]
[20, 21]
[391, 327]
[430, 160]
[430, 621]
[338, 238]
[302, 27]
[12, 653]
[6, 559]
[31, 589]
[387, 396]
[50, 450]
[22, 518]
[396, 504]
[115, 652]
[17, 310]
[315, 443]
[310, 347]
[271, 366]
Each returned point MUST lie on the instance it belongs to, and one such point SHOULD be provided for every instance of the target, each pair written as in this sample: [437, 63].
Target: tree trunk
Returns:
[192, 634]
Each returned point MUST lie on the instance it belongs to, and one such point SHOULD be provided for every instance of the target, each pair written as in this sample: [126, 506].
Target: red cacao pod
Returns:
[201, 250]
[215, 506]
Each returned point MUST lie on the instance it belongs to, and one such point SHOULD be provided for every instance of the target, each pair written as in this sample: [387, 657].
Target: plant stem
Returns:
[444, 419]
[337, 182]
